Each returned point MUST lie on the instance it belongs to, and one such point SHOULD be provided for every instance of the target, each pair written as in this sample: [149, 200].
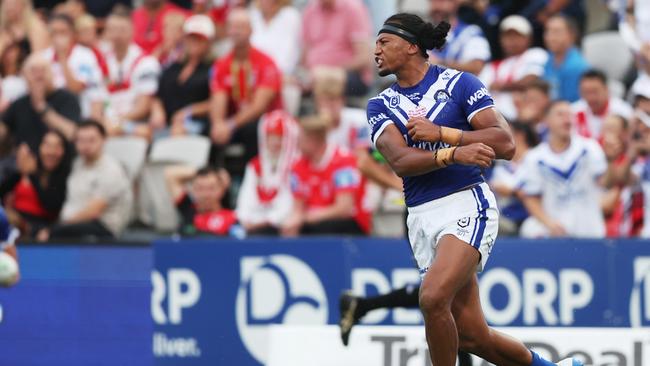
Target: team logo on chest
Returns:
[394, 101]
[441, 96]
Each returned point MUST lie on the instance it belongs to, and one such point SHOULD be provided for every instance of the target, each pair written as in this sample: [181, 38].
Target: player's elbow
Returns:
[507, 149]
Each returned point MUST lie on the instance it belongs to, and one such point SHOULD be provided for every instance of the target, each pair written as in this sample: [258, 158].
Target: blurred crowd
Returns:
[235, 118]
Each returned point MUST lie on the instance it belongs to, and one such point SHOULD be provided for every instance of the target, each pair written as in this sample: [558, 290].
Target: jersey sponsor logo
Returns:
[478, 95]
[427, 145]
[394, 101]
[378, 118]
[464, 222]
[276, 289]
[442, 96]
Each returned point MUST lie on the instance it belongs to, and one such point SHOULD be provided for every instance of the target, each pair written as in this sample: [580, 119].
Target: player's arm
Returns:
[377, 173]
[407, 161]
[489, 126]
[535, 208]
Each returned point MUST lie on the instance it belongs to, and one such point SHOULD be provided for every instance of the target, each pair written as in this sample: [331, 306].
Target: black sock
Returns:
[464, 359]
[406, 297]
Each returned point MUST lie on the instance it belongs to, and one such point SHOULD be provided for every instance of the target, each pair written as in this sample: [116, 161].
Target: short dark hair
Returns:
[91, 123]
[428, 36]
[555, 103]
[206, 170]
[539, 84]
[120, 11]
[594, 74]
[531, 136]
[63, 18]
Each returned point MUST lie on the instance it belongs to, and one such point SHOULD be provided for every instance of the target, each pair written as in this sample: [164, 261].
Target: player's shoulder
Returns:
[470, 29]
[591, 146]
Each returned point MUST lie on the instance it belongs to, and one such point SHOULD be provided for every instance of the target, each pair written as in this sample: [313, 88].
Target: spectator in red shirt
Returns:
[148, 21]
[327, 187]
[246, 84]
[337, 33]
[622, 202]
[35, 191]
[200, 206]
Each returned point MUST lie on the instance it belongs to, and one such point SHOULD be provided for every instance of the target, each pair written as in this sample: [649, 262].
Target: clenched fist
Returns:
[422, 129]
[478, 154]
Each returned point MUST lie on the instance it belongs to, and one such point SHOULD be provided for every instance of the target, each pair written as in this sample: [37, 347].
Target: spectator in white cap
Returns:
[596, 104]
[182, 101]
[132, 78]
[520, 65]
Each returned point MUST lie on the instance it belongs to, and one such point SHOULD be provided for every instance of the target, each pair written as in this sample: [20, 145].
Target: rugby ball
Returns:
[8, 269]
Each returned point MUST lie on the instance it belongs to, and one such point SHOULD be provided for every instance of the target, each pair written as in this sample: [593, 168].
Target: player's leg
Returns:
[476, 337]
[453, 267]
[353, 308]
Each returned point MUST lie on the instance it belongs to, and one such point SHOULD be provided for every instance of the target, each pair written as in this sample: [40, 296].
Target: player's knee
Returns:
[434, 302]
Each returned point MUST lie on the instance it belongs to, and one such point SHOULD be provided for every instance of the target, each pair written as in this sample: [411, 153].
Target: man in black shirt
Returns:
[44, 107]
[182, 101]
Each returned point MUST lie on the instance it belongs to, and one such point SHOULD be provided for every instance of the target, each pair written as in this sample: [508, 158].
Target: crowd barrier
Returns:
[228, 302]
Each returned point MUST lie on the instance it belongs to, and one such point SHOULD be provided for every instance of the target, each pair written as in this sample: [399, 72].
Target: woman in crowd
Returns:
[265, 198]
[13, 85]
[34, 193]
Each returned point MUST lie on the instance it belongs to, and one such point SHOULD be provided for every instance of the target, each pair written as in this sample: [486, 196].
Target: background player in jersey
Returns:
[453, 218]
[8, 236]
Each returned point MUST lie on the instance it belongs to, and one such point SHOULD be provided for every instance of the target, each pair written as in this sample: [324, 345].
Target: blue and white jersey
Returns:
[567, 184]
[447, 97]
[465, 43]
[7, 233]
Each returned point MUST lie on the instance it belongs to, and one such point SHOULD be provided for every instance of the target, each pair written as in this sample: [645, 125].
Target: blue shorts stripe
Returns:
[482, 217]
[478, 209]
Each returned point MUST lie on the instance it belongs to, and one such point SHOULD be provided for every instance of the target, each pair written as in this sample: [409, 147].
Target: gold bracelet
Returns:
[444, 157]
[452, 136]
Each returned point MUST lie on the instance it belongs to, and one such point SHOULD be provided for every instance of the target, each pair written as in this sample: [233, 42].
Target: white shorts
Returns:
[470, 215]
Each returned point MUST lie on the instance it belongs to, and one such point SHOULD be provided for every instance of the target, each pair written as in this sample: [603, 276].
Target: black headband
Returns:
[402, 33]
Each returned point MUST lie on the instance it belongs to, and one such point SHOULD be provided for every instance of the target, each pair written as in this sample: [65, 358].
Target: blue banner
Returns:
[214, 301]
[78, 306]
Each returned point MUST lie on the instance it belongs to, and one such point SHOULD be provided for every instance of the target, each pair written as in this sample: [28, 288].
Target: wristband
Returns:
[444, 157]
[452, 136]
